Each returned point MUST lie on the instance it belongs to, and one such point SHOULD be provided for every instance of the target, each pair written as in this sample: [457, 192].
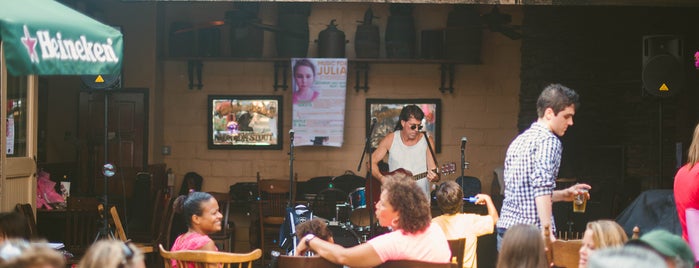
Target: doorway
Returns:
[127, 140]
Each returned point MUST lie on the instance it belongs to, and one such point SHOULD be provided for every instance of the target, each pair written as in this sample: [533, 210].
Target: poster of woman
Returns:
[319, 88]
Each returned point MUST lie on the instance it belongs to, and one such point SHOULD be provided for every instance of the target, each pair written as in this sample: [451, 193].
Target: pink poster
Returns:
[319, 90]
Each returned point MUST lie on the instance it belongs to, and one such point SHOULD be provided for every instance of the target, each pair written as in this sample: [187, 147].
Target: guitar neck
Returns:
[422, 175]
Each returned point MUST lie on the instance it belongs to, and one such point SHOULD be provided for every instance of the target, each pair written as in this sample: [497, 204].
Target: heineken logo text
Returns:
[57, 48]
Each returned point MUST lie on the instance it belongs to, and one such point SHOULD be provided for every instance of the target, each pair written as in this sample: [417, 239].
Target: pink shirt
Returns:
[428, 246]
[189, 241]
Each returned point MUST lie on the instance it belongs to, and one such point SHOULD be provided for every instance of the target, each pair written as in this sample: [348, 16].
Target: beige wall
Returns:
[483, 107]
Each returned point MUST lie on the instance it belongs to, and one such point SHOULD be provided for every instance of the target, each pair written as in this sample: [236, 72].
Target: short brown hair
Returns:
[315, 226]
[450, 197]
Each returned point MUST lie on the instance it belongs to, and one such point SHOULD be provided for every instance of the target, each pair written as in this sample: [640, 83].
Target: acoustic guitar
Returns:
[375, 191]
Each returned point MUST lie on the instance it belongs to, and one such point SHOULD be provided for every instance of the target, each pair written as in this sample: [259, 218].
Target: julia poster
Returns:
[319, 87]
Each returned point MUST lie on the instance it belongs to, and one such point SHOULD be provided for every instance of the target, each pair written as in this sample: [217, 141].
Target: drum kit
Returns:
[347, 214]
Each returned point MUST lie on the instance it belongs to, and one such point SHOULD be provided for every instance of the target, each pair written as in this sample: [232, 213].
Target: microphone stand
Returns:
[367, 146]
[291, 170]
[463, 158]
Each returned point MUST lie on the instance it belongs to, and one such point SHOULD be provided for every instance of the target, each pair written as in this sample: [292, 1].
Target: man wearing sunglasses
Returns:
[407, 149]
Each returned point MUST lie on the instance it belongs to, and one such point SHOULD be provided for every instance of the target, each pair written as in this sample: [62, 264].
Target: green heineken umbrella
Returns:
[45, 37]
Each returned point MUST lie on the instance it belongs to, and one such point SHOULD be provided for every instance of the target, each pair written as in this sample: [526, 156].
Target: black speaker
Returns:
[663, 73]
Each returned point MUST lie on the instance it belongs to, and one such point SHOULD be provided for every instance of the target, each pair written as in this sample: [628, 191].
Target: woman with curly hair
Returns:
[403, 208]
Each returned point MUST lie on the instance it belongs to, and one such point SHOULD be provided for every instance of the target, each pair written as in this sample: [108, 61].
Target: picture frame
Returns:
[245, 122]
[387, 111]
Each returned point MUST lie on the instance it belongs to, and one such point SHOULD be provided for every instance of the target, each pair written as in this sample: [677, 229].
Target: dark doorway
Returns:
[127, 132]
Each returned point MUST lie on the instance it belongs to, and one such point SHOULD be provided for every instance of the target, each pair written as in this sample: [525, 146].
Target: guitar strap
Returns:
[431, 151]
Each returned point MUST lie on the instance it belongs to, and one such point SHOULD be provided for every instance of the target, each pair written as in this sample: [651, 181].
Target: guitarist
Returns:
[407, 149]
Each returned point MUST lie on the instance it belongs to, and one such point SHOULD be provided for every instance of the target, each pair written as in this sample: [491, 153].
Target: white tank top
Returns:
[411, 158]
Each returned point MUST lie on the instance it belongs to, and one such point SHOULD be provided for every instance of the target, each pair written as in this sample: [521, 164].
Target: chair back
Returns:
[274, 194]
[273, 197]
[304, 262]
[28, 212]
[566, 252]
[413, 264]
[457, 250]
[118, 227]
[80, 229]
[202, 259]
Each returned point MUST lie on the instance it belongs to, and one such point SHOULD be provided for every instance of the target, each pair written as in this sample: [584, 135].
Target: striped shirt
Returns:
[531, 168]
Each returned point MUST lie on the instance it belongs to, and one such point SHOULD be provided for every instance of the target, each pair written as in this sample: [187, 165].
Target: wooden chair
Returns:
[201, 259]
[563, 253]
[28, 212]
[274, 196]
[284, 261]
[120, 234]
[226, 235]
[457, 251]
[413, 264]
[80, 229]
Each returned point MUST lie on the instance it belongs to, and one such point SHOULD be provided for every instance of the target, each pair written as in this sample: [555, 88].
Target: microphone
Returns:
[291, 134]
[373, 120]
[463, 143]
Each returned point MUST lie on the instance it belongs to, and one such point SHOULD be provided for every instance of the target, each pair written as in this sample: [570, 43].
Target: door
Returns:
[126, 138]
[17, 162]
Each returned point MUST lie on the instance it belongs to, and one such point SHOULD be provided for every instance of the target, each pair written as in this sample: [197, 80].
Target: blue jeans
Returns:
[501, 232]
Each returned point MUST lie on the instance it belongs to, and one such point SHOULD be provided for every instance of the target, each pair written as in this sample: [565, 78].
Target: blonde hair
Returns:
[19, 253]
[607, 233]
[111, 253]
[693, 152]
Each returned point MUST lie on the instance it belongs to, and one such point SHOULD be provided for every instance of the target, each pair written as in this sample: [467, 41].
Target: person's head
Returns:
[402, 204]
[410, 118]
[625, 257]
[450, 197]
[304, 74]
[556, 106]
[13, 225]
[670, 247]
[693, 152]
[598, 235]
[200, 212]
[19, 253]
[315, 226]
[191, 181]
[112, 253]
[522, 247]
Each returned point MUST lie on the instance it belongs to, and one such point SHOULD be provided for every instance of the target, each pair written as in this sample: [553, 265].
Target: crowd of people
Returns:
[531, 168]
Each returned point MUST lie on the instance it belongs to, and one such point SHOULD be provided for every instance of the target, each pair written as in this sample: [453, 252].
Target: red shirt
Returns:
[686, 193]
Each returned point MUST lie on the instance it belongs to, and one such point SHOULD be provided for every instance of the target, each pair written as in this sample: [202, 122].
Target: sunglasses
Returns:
[414, 126]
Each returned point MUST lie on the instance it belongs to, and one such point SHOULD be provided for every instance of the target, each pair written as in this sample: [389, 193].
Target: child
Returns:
[456, 225]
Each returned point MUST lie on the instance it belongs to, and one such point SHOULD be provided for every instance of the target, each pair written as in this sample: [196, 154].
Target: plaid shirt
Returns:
[531, 168]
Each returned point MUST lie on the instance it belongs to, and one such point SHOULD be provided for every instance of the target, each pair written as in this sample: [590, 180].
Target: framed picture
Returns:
[387, 111]
[244, 122]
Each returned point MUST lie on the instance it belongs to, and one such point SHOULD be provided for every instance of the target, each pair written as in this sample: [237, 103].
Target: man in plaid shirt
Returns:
[532, 162]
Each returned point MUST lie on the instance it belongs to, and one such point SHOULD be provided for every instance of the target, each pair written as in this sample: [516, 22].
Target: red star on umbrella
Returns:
[30, 43]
